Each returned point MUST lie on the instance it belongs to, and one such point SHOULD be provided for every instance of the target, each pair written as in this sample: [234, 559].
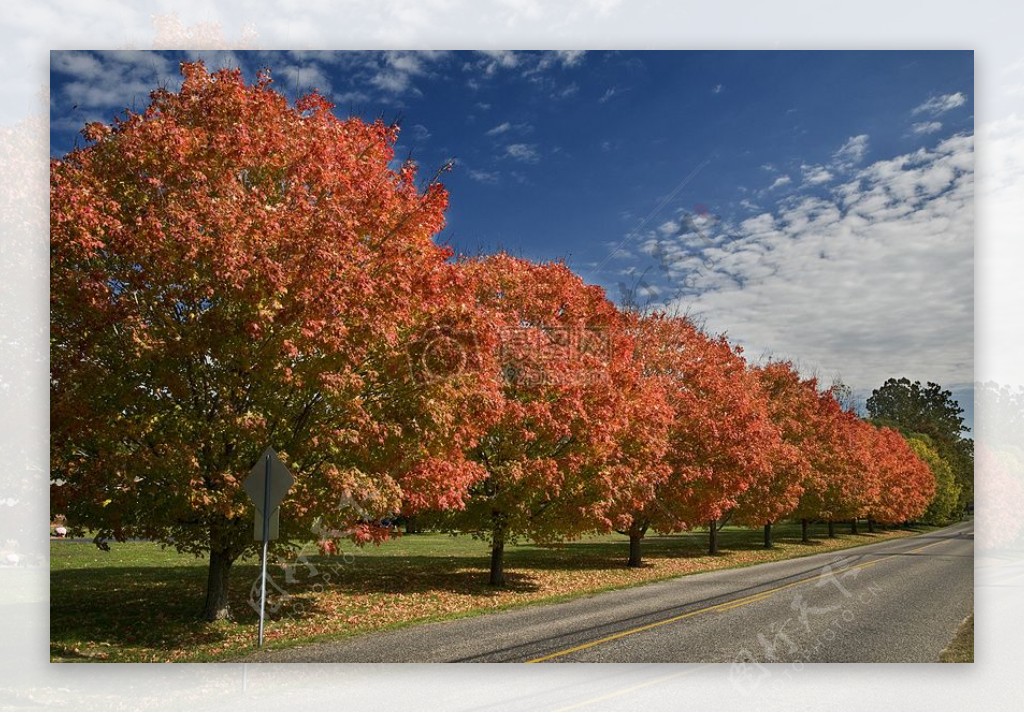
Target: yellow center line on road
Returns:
[724, 606]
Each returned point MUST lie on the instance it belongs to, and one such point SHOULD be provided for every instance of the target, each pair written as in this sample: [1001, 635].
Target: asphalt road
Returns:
[896, 601]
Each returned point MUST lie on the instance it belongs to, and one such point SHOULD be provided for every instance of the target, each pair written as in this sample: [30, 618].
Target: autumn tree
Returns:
[907, 485]
[720, 437]
[842, 498]
[555, 412]
[840, 480]
[792, 405]
[230, 272]
[638, 469]
[820, 454]
[875, 470]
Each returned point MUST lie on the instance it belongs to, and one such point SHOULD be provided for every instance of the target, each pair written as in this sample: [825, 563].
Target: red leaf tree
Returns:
[792, 405]
[228, 272]
[720, 436]
[554, 345]
[906, 483]
[839, 480]
[638, 468]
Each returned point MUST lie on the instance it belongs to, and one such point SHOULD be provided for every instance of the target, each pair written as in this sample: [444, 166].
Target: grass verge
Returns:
[139, 602]
[961, 648]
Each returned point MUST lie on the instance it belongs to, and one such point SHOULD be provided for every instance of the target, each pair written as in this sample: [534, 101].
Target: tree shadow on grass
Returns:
[98, 611]
[603, 556]
[143, 607]
[367, 574]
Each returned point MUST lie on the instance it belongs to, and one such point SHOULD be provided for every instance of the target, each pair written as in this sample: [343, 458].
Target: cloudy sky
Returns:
[816, 206]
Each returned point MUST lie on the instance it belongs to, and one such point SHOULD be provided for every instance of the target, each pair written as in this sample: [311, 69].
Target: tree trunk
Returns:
[871, 525]
[216, 607]
[804, 535]
[713, 537]
[636, 537]
[497, 552]
[853, 526]
[412, 525]
[768, 544]
[831, 529]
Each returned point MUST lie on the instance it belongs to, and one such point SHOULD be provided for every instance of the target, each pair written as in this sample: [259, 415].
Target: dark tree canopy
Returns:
[930, 409]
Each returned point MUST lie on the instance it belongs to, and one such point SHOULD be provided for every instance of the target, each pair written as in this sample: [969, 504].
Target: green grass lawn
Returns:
[139, 602]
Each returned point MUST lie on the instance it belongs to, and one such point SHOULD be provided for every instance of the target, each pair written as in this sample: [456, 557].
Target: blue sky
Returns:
[816, 206]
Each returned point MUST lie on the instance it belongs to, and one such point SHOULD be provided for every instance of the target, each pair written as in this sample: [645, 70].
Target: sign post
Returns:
[268, 482]
[266, 543]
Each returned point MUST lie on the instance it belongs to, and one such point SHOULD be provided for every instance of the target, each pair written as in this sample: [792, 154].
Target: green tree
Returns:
[944, 504]
[907, 405]
[932, 411]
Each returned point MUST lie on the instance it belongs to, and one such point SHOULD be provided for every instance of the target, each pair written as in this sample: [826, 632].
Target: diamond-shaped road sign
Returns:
[267, 484]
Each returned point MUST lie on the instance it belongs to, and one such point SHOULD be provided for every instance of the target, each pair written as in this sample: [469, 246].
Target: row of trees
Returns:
[932, 421]
[229, 272]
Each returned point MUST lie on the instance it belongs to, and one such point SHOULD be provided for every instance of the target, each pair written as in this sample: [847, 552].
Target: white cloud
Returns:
[779, 182]
[941, 103]
[499, 129]
[568, 91]
[489, 177]
[394, 72]
[303, 77]
[354, 97]
[404, 62]
[78, 64]
[392, 82]
[926, 127]
[758, 225]
[420, 132]
[669, 227]
[498, 59]
[504, 58]
[527, 153]
[852, 152]
[531, 66]
[571, 58]
[874, 280]
[113, 80]
[717, 89]
[814, 175]
[608, 94]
